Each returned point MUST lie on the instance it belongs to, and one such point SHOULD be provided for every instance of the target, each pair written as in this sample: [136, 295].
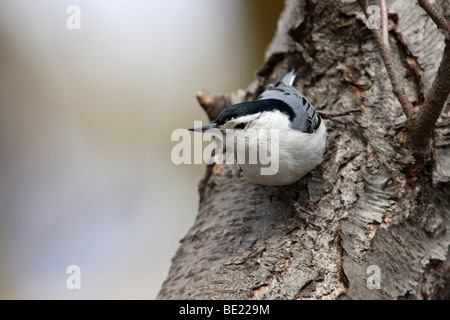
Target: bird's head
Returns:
[256, 115]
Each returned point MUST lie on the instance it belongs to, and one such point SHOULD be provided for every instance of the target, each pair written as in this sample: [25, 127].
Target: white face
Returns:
[254, 139]
[254, 131]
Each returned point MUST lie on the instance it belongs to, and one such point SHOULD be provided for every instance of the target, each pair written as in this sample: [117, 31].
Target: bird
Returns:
[282, 121]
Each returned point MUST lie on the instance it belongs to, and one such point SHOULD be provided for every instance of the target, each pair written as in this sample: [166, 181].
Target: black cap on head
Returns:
[252, 107]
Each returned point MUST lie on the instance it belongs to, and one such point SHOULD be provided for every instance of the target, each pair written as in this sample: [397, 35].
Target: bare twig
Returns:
[212, 104]
[421, 124]
[383, 46]
[384, 22]
[442, 24]
[329, 115]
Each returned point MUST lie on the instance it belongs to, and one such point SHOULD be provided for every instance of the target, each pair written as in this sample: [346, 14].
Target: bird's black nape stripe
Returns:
[252, 107]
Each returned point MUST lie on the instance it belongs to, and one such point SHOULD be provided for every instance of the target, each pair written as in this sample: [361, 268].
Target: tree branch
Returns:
[330, 115]
[421, 124]
[384, 22]
[442, 24]
[383, 46]
[243, 245]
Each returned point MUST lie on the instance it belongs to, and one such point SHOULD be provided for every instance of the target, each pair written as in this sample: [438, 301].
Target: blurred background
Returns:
[86, 117]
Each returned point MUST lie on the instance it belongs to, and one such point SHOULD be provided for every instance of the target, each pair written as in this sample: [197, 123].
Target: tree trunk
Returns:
[383, 217]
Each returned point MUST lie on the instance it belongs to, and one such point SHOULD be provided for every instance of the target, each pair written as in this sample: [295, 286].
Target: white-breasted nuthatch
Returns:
[283, 109]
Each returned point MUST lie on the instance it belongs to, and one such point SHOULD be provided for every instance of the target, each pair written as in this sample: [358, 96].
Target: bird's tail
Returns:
[288, 78]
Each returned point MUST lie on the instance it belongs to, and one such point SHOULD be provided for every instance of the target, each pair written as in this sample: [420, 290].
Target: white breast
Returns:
[290, 158]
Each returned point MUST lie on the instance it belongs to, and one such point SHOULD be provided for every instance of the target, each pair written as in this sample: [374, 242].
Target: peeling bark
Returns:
[375, 206]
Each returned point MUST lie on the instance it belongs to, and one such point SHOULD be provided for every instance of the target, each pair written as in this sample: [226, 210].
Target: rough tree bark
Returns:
[374, 204]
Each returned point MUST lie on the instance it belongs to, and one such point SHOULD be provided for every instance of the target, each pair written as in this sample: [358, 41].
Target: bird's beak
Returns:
[204, 128]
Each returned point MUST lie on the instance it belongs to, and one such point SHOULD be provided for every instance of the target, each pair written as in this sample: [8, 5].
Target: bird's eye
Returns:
[240, 125]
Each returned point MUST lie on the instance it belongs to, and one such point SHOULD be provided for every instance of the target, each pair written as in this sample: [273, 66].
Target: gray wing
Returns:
[306, 117]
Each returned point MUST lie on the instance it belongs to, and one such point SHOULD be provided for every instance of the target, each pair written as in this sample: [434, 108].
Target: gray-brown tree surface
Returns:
[380, 208]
